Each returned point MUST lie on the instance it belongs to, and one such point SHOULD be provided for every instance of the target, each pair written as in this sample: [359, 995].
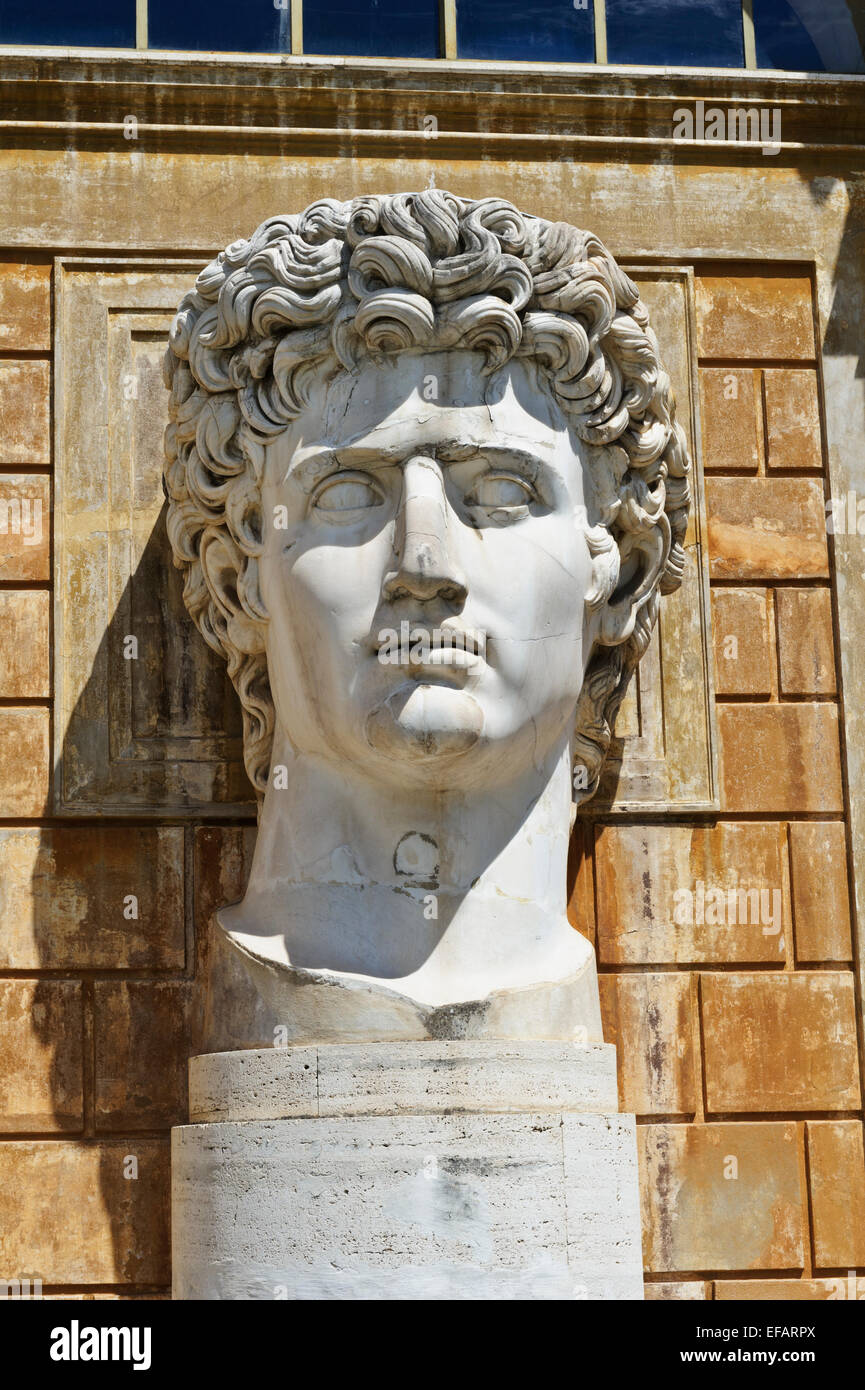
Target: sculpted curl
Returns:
[311, 294]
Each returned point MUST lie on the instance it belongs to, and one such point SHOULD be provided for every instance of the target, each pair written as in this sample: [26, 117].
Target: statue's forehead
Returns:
[426, 400]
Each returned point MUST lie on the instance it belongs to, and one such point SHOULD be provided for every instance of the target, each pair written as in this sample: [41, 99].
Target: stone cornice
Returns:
[318, 105]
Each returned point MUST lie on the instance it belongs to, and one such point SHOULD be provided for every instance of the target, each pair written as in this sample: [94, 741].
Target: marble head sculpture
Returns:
[427, 489]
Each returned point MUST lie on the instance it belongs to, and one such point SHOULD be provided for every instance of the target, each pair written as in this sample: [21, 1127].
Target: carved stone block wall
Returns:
[124, 818]
[734, 1036]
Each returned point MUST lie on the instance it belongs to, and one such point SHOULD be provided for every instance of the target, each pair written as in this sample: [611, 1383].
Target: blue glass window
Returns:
[219, 25]
[810, 35]
[372, 28]
[546, 31]
[676, 33]
[78, 23]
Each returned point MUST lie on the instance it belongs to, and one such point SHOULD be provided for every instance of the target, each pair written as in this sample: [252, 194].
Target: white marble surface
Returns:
[508, 1200]
[418, 415]
[401, 1078]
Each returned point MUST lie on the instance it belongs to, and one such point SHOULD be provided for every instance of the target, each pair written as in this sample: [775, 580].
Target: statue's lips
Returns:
[445, 656]
[432, 649]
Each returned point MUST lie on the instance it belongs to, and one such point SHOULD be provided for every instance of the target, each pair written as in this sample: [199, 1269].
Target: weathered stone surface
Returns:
[25, 306]
[110, 537]
[653, 883]
[650, 1019]
[731, 419]
[25, 394]
[780, 1042]
[792, 418]
[821, 897]
[41, 1049]
[24, 651]
[742, 642]
[721, 1196]
[141, 1033]
[754, 316]
[766, 528]
[401, 1078]
[439, 1206]
[581, 879]
[665, 1292]
[778, 757]
[95, 1213]
[66, 894]
[836, 1165]
[24, 761]
[806, 644]
[25, 527]
[788, 1290]
[228, 1011]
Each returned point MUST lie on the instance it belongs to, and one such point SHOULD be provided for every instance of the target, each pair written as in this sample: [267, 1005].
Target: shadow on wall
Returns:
[121, 904]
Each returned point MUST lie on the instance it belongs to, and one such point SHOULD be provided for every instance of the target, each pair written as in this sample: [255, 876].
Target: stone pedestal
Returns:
[419, 1170]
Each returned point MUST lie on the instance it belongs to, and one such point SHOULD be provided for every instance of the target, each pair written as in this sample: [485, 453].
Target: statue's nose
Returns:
[426, 565]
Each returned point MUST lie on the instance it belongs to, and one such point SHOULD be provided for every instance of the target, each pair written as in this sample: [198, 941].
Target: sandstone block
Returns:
[836, 1163]
[141, 1052]
[806, 646]
[649, 1017]
[679, 893]
[667, 1292]
[721, 1197]
[581, 880]
[25, 306]
[766, 528]
[24, 651]
[754, 316]
[777, 758]
[821, 900]
[25, 761]
[730, 419]
[25, 527]
[114, 1201]
[41, 1042]
[25, 396]
[792, 418]
[68, 895]
[780, 1042]
[228, 1012]
[788, 1290]
[742, 642]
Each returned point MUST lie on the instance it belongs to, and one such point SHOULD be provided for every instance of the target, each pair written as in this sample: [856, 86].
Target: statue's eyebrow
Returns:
[368, 455]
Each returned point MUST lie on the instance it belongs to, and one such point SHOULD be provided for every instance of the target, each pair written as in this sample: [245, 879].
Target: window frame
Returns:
[448, 34]
[448, 31]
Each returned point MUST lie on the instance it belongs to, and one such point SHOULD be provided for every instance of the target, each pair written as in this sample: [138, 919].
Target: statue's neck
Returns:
[445, 896]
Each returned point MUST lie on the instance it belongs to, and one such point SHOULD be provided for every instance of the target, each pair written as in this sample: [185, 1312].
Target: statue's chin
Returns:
[425, 721]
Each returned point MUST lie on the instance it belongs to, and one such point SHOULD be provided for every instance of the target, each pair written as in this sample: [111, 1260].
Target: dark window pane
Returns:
[552, 31]
[810, 35]
[372, 28]
[681, 33]
[80, 23]
[257, 26]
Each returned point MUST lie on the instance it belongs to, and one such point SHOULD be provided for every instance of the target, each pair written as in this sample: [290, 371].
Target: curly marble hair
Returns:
[312, 294]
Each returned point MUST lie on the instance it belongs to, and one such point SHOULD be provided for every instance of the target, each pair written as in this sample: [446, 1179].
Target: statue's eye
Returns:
[503, 492]
[353, 492]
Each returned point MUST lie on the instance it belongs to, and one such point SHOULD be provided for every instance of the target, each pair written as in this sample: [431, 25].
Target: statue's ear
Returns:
[643, 556]
[629, 542]
[232, 581]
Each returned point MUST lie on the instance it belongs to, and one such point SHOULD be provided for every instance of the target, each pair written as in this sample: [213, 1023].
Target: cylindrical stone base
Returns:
[421, 1170]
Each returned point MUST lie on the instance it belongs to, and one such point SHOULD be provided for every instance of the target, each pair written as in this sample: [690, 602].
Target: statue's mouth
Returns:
[445, 656]
[417, 647]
